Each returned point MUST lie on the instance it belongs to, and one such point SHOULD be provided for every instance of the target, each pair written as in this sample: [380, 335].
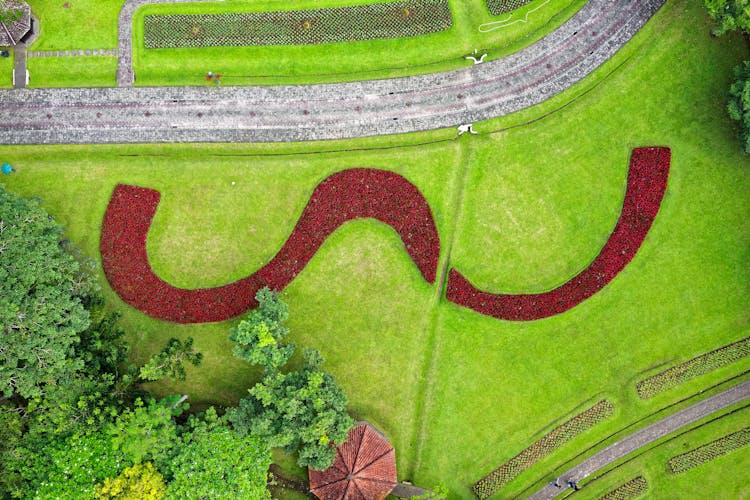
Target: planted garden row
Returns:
[498, 478]
[347, 195]
[647, 182]
[633, 488]
[691, 368]
[710, 451]
[498, 7]
[298, 27]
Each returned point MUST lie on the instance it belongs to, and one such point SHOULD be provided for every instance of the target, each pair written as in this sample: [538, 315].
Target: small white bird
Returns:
[462, 129]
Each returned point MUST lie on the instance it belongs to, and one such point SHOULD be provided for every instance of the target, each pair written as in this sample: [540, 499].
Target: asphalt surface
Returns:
[646, 436]
[327, 111]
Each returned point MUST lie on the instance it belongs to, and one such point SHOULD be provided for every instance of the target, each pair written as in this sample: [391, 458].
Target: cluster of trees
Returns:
[75, 420]
[732, 15]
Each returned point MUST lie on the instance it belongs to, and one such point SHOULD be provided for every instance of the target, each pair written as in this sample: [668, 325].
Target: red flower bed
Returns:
[647, 182]
[347, 195]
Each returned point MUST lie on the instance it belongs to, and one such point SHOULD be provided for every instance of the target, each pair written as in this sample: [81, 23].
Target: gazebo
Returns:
[15, 21]
[364, 468]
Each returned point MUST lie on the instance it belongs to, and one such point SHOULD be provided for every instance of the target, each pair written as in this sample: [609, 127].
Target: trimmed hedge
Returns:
[498, 478]
[298, 27]
[692, 368]
[633, 488]
[709, 451]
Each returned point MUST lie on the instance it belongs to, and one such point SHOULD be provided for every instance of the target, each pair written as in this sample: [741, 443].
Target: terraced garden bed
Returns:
[298, 27]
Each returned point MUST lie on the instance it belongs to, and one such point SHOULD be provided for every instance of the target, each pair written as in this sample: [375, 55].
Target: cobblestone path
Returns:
[646, 436]
[326, 111]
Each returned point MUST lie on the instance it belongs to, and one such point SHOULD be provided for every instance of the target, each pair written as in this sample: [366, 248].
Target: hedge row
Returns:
[633, 488]
[298, 27]
[647, 183]
[346, 195]
[498, 7]
[710, 451]
[699, 365]
[498, 478]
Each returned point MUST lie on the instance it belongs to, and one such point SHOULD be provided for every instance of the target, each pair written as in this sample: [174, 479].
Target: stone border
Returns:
[699, 365]
[289, 113]
[709, 451]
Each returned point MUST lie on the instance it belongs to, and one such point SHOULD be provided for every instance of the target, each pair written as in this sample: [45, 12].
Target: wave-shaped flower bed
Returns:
[347, 195]
[498, 478]
[298, 27]
[647, 182]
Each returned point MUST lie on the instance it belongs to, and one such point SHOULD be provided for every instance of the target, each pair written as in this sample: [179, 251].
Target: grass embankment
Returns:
[520, 210]
[6, 71]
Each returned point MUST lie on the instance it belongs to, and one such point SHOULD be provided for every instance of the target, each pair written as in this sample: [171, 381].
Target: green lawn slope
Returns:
[519, 209]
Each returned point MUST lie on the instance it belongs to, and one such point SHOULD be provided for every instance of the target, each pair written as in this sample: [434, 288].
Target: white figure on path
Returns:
[462, 129]
[473, 57]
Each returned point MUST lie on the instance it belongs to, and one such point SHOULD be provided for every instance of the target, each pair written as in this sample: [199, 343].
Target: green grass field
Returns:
[6, 71]
[520, 209]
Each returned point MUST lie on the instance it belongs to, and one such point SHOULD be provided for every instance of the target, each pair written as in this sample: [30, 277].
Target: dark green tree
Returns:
[259, 338]
[214, 462]
[739, 102]
[170, 362]
[729, 15]
[41, 309]
[303, 411]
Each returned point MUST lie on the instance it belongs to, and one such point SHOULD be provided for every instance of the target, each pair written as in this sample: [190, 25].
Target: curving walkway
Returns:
[647, 436]
[332, 111]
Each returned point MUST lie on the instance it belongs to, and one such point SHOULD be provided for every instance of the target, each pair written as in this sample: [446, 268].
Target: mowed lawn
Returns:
[520, 210]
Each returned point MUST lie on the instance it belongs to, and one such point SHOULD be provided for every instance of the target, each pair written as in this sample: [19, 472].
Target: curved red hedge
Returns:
[347, 195]
[647, 182]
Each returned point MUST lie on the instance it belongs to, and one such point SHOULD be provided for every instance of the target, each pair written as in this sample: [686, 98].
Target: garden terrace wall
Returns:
[344, 196]
[498, 478]
[298, 27]
[647, 183]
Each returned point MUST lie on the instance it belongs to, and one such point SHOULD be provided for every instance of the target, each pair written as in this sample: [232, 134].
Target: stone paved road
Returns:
[331, 111]
[646, 436]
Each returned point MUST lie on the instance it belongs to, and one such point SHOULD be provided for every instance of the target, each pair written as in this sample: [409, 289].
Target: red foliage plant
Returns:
[347, 195]
[365, 193]
[647, 183]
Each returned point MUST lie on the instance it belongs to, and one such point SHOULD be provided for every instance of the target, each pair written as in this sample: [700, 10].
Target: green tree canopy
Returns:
[739, 102]
[139, 482]
[259, 338]
[302, 411]
[729, 15]
[170, 362]
[214, 462]
[41, 309]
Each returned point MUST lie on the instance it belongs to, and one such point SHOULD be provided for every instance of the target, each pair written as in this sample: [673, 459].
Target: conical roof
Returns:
[15, 21]
[364, 468]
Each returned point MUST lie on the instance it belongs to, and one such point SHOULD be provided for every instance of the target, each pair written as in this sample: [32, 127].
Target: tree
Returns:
[739, 102]
[214, 462]
[302, 411]
[41, 291]
[729, 15]
[259, 338]
[146, 432]
[139, 482]
[170, 362]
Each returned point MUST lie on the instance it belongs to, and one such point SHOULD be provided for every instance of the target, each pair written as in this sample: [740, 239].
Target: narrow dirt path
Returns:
[645, 437]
